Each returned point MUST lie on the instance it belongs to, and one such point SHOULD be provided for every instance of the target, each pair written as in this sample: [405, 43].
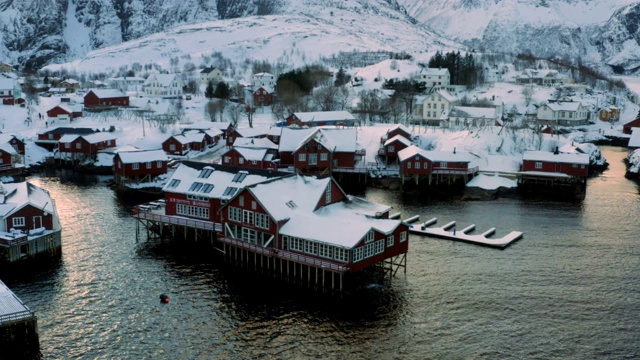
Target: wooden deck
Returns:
[449, 232]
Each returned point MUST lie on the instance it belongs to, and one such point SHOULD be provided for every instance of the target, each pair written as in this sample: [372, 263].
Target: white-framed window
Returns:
[325, 251]
[262, 221]
[235, 214]
[240, 160]
[149, 165]
[254, 205]
[227, 159]
[417, 165]
[249, 235]
[409, 165]
[172, 147]
[302, 157]
[78, 146]
[193, 211]
[327, 194]
[324, 156]
[341, 254]
[247, 216]
[159, 164]
[538, 164]
[313, 159]
[443, 164]
[574, 165]
[18, 221]
[425, 165]
[311, 247]
[391, 148]
[403, 236]
[135, 166]
[369, 237]
[390, 240]
[241, 200]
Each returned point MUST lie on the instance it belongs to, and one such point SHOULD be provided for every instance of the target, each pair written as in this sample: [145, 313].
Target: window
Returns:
[193, 211]
[538, 165]
[408, 164]
[249, 235]
[172, 147]
[247, 216]
[174, 183]
[417, 165]
[18, 221]
[135, 166]
[302, 157]
[369, 237]
[226, 159]
[341, 254]
[327, 194]
[149, 165]
[313, 159]
[443, 164]
[403, 236]
[196, 186]
[574, 165]
[241, 200]
[390, 241]
[262, 221]
[310, 247]
[235, 214]
[324, 157]
[425, 165]
[78, 146]
[240, 160]
[159, 164]
[391, 148]
[205, 173]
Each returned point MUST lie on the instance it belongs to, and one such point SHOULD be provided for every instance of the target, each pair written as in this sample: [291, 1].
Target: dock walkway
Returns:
[449, 232]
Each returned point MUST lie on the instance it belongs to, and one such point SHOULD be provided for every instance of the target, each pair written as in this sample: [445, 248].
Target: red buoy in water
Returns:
[164, 299]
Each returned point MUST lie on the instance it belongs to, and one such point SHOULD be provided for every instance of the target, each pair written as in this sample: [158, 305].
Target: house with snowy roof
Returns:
[72, 145]
[70, 85]
[321, 118]
[9, 157]
[436, 107]
[395, 130]
[319, 150]
[14, 141]
[628, 127]
[167, 86]
[139, 166]
[472, 116]
[213, 74]
[433, 77]
[555, 164]
[263, 79]
[6, 91]
[30, 224]
[253, 143]
[65, 112]
[254, 133]
[49, 139]
[609, 113]
[190, 140]
[392, 146]
[544, 77]
[105, 98]
[198, 190]
[437, 166]
[250, 157]
[311, 222]
[564, 113]
[264, 95]
[125, 83]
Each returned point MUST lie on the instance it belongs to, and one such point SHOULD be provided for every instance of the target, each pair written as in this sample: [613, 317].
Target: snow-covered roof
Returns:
[69, 130]
[6, 147]
[10, 304]
[251, 154]
[253, 132]
[447, 95]
[434, 71]
[434, 156]
[399, 138]
[634, 140]
[131, 157]
[261, 75]
[256, 143]
[474, 112]
[164, 80]
[548, 156]
[108, 93]
[399, 127]
[90, 138]
[336, 140]
[291, 138]
[18, 195]
[5, 138]
[213, 132]
[564, 106]
[6, 84]
[226, 180]
[317, 116]
[208, 70]
[537, 73]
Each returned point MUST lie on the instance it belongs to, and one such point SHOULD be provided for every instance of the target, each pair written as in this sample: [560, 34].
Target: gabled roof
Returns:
[266, 88]
[399, 138]
[220, 176]
[18, 195]
[163, 79]
[290, 139]
[399, 127]
[336, 140]
[5, 138]
[90, 138]
[474, 112]
[548, 156]
[250, 154]
[434, 156]
[107, 93]
[6, 147]
[434, 71]
[317, 116]
[564, 106]
[253, 132]
[70, 130]
[256, 143]
[447, 95]
[209, 69]
[140, 156]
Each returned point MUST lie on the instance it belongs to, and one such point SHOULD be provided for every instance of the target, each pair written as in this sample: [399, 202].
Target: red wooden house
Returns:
[8, 157]
[325, 150]
[626, 128]
[264, 95]
[316, 225]
[66, 111]
[250, 158]
[392, 146]
[256, 133]
[86, 144]
[321, 118]
[191, 140]
[555, 164]
[49, 139]
[105, 97]
[398, 130]
[139, 166]
[441, 165]
[17, 144]
[6, 91]
[197, 190]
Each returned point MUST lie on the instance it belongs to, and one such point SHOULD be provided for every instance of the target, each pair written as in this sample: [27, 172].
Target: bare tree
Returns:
[235, 111]
[249, 110]
[325, 97]
[527, 93]
[214, 108]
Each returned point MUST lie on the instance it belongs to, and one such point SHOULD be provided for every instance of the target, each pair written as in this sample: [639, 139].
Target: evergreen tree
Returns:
[638, 116]
[209, 92]
[222, 91]
[341, 78]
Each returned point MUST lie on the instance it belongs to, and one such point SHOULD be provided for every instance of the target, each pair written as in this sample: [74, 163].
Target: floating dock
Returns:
[449, 232]
[18, 327]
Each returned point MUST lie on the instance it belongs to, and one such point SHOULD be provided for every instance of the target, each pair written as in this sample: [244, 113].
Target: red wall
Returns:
[405, 170]
[7, 162]
[180, 148]
[397, 248]
[86, 147]
[91, 99]
[267, 98]
[58, 111]
[172, 199]
[400, 132]
[127, 169]
[28, 212]
[234, 160]
[530, 165]
[397, 146]
[248, 198]
[16, 143]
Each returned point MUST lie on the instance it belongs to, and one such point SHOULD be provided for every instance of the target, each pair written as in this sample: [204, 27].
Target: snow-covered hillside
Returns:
[582, 29]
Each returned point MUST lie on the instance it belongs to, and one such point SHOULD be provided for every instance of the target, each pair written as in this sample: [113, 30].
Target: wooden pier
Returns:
[449, 232]
[18, 327]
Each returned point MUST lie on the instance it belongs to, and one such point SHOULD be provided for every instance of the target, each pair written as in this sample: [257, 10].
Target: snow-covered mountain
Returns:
[597, 31]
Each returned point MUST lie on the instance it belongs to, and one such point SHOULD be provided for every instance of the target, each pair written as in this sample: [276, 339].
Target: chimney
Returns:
[454, 150]
[556, 151]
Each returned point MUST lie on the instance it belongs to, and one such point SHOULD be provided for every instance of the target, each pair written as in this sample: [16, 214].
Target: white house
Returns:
[125, 83]
[566, 113]
[469, 116]
[263, 79]
[436, 106]
[165, 85]
[433, 77]
[212, 74]
[539, 77]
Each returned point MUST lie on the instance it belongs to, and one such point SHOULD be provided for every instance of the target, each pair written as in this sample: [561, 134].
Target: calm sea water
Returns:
[568, 289]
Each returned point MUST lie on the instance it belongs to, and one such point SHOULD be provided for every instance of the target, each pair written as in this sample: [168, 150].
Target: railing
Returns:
[15, 241]
[284, 254]
[174, 220]
[455, 171]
